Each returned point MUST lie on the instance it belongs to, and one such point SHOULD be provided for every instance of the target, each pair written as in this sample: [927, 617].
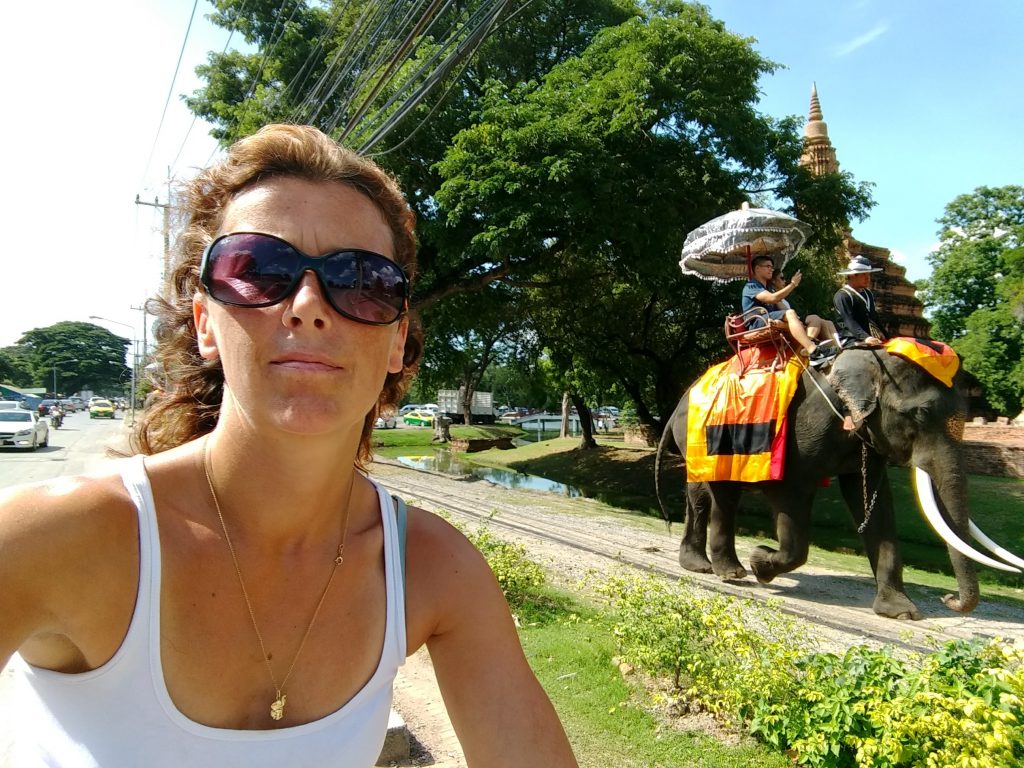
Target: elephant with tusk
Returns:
[873, 408]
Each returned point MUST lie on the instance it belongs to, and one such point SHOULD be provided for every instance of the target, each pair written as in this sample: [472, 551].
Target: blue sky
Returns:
[922, 98]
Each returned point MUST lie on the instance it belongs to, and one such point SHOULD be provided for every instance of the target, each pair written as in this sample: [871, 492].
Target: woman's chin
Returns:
[312, 418]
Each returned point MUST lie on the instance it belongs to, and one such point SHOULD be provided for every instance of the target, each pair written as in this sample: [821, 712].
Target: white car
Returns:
[385, 422]
[23, 429]
[410, 407]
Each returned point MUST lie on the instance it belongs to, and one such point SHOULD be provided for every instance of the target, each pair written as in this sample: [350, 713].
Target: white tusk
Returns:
[997, 550]
[926, 497]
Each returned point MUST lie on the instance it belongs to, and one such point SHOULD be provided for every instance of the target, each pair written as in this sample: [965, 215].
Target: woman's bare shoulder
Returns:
[67, 518]
[67, 547]
[447, 579]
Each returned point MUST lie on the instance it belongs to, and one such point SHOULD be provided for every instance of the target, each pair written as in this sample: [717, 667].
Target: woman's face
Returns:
[298, 365]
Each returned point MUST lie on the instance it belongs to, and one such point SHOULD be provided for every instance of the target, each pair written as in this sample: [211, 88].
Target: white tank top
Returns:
[121, 714]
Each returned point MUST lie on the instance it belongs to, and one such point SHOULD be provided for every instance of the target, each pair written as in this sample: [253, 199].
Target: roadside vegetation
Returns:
[628, 670]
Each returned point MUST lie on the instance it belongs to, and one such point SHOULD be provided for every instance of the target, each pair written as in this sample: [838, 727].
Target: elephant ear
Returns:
[857, 379]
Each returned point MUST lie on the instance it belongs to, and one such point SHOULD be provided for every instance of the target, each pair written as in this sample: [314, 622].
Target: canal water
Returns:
[448, 463]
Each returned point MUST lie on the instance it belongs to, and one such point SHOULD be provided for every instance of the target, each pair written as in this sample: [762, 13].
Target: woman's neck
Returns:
[283, 490]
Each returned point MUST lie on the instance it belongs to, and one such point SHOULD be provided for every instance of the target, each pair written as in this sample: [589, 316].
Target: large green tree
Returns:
[78, 355]
[14, 368]
[977, 232]
[584, 185]
[975, 294]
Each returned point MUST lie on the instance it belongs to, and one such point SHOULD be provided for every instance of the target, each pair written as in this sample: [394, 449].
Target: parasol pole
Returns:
[750, 267]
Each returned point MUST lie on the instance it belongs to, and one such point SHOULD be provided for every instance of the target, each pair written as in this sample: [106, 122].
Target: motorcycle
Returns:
[56, 417]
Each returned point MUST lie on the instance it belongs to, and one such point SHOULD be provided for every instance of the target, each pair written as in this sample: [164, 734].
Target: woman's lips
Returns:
[306, 364]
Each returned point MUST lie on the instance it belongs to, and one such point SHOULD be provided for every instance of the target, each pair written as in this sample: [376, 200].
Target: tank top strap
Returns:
[401, 518]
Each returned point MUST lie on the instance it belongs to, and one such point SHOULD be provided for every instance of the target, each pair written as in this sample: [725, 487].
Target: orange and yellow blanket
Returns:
[736, 423]
[936, 357]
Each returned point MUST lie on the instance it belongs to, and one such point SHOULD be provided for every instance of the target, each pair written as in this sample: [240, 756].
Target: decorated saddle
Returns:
[935, 357]
[736, 423]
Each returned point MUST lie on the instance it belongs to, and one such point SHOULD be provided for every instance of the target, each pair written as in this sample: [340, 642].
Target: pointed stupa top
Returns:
[818, 152]
[816, 127]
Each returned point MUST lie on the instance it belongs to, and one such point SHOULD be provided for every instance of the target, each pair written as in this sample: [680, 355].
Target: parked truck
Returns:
[449, 404]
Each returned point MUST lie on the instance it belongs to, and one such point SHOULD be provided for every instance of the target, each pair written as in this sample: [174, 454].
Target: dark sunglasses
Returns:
[250, 269]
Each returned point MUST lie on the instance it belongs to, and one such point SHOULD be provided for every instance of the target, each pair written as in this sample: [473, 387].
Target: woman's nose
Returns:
[308, 304]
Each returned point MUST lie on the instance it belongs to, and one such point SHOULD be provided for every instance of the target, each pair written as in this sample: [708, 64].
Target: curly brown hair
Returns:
[187, 402]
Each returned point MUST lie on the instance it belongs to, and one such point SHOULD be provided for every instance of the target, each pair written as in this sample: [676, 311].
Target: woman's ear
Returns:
[205, 338]
[396, 358]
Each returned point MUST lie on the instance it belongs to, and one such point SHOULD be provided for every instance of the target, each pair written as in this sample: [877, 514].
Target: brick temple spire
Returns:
[898, 305]
[819, 155]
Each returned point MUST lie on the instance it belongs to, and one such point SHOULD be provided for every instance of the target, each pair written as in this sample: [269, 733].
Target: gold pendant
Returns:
[277, 708]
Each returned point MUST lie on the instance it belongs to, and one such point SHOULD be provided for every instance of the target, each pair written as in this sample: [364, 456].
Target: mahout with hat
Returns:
[855, 305]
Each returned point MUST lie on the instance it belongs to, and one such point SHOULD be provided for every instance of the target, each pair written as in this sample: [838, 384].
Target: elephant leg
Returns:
[792, 509]
[880, 539]
[693, 548]
[725, 500]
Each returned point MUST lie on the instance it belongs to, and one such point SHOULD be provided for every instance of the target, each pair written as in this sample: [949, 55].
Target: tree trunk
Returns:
[442, 432]
[564, 429]
[467, 404]
[586, 423]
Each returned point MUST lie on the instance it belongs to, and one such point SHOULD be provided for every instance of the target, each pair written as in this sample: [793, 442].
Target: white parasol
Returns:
[722, 248]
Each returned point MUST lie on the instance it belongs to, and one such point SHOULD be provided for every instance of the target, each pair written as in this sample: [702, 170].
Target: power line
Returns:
[195, 117]
[170, 92]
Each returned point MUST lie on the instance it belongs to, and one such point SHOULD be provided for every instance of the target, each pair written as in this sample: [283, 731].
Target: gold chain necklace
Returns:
[277, 706]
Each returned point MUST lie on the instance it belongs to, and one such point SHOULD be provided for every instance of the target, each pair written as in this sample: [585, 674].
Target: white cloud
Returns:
[860, 42]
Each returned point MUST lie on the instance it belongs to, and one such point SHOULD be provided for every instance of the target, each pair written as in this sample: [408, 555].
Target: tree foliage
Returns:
[975, 294]
[84, 356]
[582, 187]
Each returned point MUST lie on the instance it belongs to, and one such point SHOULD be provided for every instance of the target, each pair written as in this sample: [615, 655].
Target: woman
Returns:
[235, 595]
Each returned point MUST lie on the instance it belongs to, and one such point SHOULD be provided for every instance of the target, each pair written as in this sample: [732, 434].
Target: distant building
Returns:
[898, 306]
[32, 395]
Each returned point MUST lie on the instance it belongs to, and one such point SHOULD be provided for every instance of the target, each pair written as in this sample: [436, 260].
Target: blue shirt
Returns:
[750, 291]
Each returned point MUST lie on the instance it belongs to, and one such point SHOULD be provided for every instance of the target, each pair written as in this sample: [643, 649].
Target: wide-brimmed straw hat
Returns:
[859, 265]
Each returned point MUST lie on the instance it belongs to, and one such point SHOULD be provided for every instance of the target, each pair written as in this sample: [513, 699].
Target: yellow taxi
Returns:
[101, 409]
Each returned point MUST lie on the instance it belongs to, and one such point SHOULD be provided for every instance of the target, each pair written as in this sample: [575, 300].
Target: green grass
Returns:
[397, 442]
[624, 478]
[606, 717]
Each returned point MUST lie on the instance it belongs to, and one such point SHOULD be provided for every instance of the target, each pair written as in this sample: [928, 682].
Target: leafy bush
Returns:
[958, 706]
[961, 705]
[518, 576]
[724, 653]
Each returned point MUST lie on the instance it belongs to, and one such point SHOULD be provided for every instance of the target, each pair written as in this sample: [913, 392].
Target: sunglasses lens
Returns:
[248, 270]
[365, 286]
[252, 270]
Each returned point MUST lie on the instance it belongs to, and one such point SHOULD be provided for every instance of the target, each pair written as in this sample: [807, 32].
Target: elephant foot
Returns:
[761, 564]
[896, 605]
[733, 571]
[694, 560]
[959, 603]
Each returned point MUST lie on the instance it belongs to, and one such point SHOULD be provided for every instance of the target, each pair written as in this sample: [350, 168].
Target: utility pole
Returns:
[166, 227]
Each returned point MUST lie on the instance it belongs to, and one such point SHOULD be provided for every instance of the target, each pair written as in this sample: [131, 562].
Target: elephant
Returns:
[898, 414]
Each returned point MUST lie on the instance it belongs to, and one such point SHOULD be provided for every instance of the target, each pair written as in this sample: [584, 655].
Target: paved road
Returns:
[77, 447]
